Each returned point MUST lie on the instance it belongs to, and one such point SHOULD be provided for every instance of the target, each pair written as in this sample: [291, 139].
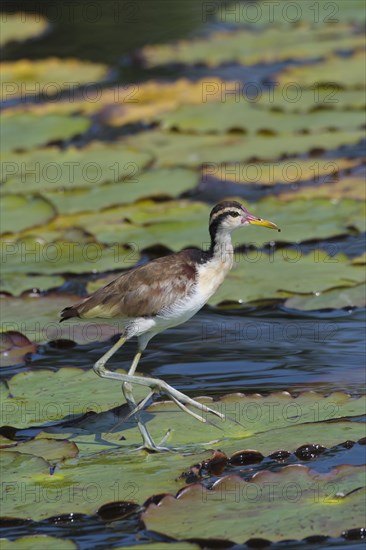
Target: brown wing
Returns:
[143, 291]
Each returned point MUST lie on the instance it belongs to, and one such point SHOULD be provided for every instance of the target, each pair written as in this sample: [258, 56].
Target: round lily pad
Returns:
[248, 47]
[307, 504]
[286, 13]
[47, 77]
[25, 130]
[17, 27]
[234, 114]
[172, 149]
[336, 71]
[38, 542]
[20, 212]
[71, 169]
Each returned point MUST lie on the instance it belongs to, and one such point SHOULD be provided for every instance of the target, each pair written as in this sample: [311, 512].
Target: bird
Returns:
[161, 294]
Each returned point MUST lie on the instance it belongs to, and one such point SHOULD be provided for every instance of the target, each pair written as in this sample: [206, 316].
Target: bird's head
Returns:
[229, 215]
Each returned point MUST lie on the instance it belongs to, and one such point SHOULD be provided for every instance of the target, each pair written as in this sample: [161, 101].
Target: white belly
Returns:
[210, 277]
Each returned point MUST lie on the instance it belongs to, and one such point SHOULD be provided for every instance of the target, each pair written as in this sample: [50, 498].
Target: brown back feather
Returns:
[144, 290]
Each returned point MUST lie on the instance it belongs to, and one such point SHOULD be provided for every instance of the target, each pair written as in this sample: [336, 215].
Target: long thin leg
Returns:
[100, 369]
[153, 383]
[127, 392]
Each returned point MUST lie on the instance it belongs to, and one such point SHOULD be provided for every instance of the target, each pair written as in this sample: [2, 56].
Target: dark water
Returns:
[217, 352]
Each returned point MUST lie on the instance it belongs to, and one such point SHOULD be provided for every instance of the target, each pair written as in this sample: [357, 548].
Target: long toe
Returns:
[176, 395]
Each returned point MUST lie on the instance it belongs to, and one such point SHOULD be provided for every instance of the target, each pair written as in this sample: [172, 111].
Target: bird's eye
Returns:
[234, 214]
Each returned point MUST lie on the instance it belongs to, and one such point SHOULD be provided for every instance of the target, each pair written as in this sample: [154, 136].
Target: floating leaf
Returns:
[128, 104]
[171, 545]
[25, 130]
[234, 115]
[49, 449]
[348, 187]
[333, 299]
[21, 212]
[47, 77]
[360, 260]
[337, 71]
[72, 392]
[248, 47]
[16, 283]
[174, 149]
[146, 100]
[115, 475]
[291, 98]
[306, 503]
[166, 183]
[54, 170]
[290, 171]
[286, 272]
[300, 220]
[38, 316]
[180, 224]
[17, 27]
[35, 255]
[38, 542]
[69, 393]
[287, 14]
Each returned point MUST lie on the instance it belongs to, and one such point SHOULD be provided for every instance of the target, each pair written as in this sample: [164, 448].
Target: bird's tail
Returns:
[68, 313]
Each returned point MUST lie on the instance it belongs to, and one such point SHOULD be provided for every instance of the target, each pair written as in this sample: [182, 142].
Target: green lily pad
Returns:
[290, 171]
[72, 169]
[347, 187]
[55, 396]
[51, 450]
[167, 183]
[21, 212]
[24, 130]
[360, 260]
[172, 149]
[333, 299]
[43, 396]
[300, 220]
[286, 272]
[248, 47]
[134, 224]
[291, 98]
[16, 283]
[180, 224]
[38, 542]
[307, 503]
[162, 546]
[337, 71]
[70, 392]
[131, 103]
[17, 27]
[233, 115]
[34, 255]
[47, 76]
[286, 13]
